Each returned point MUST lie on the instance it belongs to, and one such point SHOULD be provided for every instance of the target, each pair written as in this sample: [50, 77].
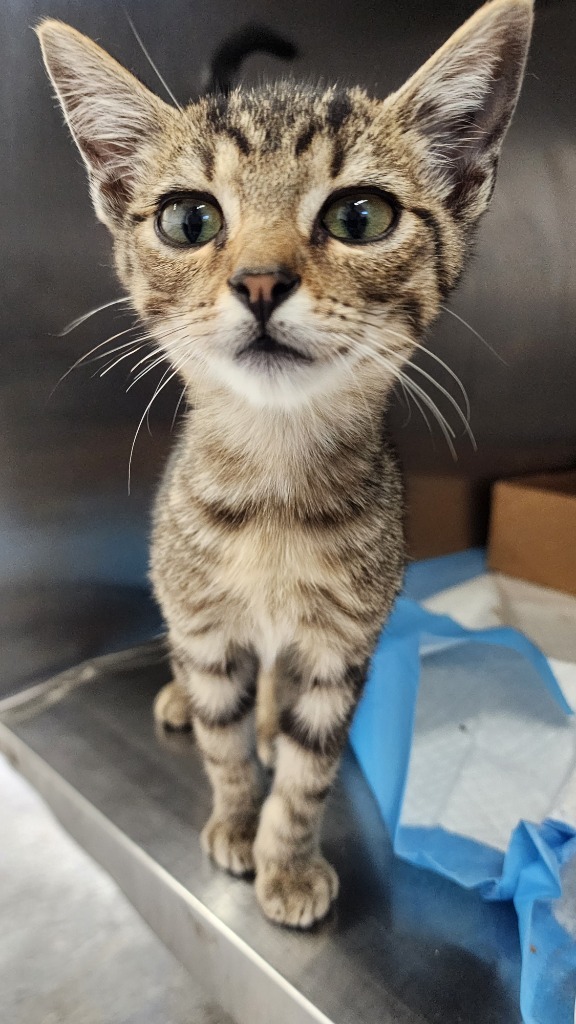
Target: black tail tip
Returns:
[232, 53]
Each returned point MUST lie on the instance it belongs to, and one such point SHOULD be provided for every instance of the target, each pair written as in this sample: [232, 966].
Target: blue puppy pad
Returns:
[435, 736]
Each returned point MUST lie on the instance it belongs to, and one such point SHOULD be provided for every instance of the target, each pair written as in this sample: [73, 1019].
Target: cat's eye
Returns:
[189, 220]
[358, 216]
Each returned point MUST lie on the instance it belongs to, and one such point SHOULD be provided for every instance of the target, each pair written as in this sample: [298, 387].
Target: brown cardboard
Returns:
[533, 529]
[443, 514]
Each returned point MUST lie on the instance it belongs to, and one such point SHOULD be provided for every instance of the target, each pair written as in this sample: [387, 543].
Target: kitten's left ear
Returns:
[112, 116]
[459, 104]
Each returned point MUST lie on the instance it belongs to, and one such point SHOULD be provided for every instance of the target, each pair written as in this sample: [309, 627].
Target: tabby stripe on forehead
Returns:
[338, 112]
[219, 118]
[238, 136]
[431, 221]
[305, 139]
[337, 159]
[207, 160]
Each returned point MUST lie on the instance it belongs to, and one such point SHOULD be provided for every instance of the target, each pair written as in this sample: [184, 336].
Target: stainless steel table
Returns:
[401, 946]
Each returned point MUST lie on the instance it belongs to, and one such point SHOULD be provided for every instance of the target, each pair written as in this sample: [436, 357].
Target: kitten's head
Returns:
[283, 241]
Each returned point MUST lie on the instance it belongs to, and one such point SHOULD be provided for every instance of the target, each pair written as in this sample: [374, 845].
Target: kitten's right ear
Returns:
[112, 116]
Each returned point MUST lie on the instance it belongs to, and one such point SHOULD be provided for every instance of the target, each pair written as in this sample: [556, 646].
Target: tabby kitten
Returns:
[287, 247]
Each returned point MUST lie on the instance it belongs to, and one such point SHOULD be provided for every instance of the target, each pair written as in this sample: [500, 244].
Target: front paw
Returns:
[297, 894]
[172, 708]
[229, 843]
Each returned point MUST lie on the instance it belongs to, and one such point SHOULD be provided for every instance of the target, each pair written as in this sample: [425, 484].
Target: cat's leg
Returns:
[295, 885]
[173, 704]
[223, 693]
[267, 717]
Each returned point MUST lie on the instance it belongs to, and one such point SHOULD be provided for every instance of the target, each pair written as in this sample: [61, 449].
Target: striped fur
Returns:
[277, 548]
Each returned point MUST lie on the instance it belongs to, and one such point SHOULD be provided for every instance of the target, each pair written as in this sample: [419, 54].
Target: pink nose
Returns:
[260, 287]
[263, 292]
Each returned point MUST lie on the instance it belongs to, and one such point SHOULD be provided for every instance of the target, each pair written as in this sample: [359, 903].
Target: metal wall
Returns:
[64, 510]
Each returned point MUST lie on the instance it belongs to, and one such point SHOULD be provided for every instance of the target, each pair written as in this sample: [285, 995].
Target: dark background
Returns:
[72, 542]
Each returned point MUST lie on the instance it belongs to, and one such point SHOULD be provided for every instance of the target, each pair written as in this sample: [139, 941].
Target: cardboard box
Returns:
[444, 514]
[533, 529]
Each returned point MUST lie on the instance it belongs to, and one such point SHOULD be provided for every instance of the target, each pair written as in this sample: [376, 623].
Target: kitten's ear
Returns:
[111, 115]
[461, 101]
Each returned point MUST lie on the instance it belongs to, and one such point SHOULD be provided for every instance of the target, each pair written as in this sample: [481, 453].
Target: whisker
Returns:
[475, 333]
[357, 388]
[445, 427]
[127, 348]
[162, 357]
[405, 401]
[158, 351]
[178, 404]
[159, 387]
[463, 416]
[112, 351]
[416, 391]
[418, 405]
[125, 355]
[450, 398]
[151, 62]
[138, 344]
[86, 356]
[162, 378]
[437, 359]
[377, 323]
[86, 316]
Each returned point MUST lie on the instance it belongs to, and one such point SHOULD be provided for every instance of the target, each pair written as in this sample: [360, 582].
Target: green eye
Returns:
[358, 217]
[189, 221]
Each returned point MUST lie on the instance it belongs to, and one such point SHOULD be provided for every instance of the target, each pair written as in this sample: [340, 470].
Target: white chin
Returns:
[279, 385]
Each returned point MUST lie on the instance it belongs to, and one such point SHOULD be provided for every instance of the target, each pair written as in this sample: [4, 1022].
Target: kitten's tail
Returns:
[230, 55]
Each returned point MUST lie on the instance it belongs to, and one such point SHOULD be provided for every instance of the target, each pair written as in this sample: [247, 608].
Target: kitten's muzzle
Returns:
[268, 350]
[262, 291]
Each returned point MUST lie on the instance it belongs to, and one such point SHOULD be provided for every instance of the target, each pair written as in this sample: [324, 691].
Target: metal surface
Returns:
[402, 946]
[44, 629]
[72, 948]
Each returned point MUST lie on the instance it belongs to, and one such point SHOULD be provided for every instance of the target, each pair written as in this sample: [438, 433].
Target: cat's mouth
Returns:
[266, 350]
